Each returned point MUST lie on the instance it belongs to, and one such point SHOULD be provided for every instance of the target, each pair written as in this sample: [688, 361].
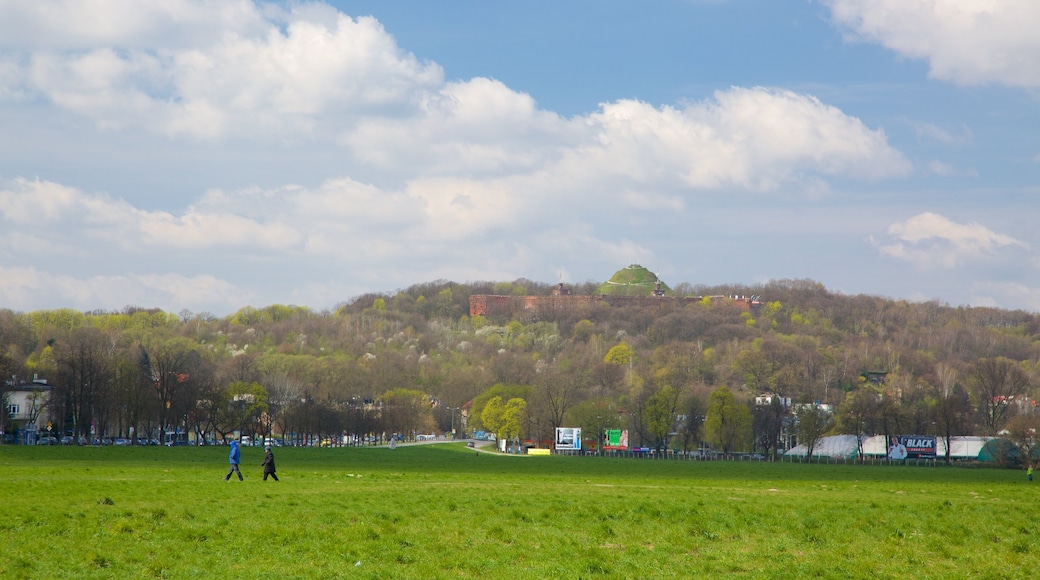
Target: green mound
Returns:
[633, 280]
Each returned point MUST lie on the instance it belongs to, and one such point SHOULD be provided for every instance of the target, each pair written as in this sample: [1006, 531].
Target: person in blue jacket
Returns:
[233, 458]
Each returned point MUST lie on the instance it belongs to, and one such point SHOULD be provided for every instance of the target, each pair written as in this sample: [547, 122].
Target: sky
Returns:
[207, 155]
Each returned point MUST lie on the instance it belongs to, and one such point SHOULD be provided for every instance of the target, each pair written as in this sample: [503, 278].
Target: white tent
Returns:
[840, 446]
[961, 447]
[835, 446]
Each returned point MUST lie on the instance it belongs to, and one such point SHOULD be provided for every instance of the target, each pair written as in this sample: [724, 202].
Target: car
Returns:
[121, 442]
[67, 440]
[47, 440]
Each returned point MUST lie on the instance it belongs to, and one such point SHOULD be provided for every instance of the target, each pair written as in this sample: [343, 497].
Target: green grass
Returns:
[442, 512]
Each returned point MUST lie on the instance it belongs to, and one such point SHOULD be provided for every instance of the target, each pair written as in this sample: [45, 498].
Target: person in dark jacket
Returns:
[269, 464]
[233, 458]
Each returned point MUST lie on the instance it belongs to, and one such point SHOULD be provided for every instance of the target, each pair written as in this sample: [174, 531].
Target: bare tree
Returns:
[858, 415]
[175, 369]
[995, 384]
[952, 412]
[1024, 433]
[813, 422]
[768, 422]
[84, 374]
[559, 389]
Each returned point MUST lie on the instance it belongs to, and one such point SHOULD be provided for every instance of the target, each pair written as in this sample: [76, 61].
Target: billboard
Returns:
[911, 447]
[568, 438]
[616, 440]
[918, 446]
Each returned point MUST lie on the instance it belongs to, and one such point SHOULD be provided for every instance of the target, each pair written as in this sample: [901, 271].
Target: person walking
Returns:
[233, 459]
[269, 464]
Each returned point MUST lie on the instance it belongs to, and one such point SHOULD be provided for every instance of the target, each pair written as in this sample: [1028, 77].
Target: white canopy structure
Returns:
[845, 446]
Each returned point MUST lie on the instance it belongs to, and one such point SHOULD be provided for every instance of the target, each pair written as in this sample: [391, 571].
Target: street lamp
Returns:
[453, 409]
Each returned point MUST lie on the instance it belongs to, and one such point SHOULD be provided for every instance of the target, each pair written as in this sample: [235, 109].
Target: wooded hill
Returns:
[406, 362]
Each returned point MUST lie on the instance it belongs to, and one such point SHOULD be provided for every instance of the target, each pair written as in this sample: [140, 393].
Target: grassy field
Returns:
[441, 511]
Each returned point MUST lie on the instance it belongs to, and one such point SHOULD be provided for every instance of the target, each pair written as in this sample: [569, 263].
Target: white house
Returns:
[28, 407]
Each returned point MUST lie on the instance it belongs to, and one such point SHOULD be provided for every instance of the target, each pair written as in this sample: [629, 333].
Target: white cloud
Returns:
[71, 215]
[944, 169]
[478, 126]
[754, 138]
[966, 42]
[930, 240]
[319, 75]
[463, 178]
[79, 24]
[995, 294]
[25, 288]
[268, 82]
[932, 132]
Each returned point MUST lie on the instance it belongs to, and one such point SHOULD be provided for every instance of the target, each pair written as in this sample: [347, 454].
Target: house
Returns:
[768, 398]
[28, 410]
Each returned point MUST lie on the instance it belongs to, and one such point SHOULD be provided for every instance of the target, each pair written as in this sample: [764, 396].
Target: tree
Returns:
[996, 383]
[858, 414]
[951, 410]
[560, 389]
[245, 404]
[491, 415]
[754, 368]
[132, 396]
[5, 371]
[768, 423]
[727, 424]
[691, 420]
[84, 375]
[513, 415]
[659, 415]
[813, 422]
[1024, 433]
[406, 411]
[504, 393]
[506, 420]
[583, 330]
[620, 354]
[176, 369]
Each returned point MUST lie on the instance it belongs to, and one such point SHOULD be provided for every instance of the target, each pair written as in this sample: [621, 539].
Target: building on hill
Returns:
[631, 286]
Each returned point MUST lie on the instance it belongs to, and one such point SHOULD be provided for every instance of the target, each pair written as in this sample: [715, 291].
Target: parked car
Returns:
[121, 442]
[67, 440]
[47, 440]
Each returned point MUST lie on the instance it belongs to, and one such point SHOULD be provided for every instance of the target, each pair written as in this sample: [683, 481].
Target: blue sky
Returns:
[212, 154]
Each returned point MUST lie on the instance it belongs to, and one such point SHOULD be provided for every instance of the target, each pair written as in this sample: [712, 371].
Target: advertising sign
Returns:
[617, 440]
[568, 438]
[918, 446]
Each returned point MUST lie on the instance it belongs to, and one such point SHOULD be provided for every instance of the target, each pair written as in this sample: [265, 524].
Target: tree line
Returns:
[675, 374]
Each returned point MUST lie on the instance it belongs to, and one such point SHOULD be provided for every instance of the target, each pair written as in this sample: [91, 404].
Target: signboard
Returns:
[918, 446]
[617, 440]
[568, 438]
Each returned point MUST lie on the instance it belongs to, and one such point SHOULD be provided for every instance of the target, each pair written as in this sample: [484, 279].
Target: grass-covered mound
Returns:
[633, 280]
[442, 511]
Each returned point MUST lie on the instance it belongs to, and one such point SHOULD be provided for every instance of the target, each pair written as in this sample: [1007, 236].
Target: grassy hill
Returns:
[634, 280]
